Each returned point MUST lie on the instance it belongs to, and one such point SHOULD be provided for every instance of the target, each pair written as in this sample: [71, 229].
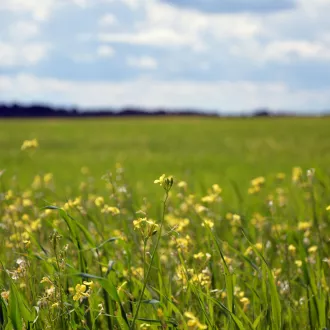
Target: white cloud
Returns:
[105, 51]
[34, 52]
[165, 25]
[23, 30]
[230, 96]
[253, 36]
[281, 51]
[133, 4]
[22, 55]
[81, 3]
[285, 50]
[187, 21]
[40, 9]
[142, 62]
[156, 37]
[107, 20]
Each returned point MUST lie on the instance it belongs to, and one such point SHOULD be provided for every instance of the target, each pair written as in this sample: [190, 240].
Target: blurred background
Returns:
[231, 56]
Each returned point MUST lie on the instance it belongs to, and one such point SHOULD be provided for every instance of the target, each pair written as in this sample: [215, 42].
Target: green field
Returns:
[238, 238]
[200, 150]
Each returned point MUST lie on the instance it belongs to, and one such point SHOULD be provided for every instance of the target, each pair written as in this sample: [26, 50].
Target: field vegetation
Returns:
[235, 235]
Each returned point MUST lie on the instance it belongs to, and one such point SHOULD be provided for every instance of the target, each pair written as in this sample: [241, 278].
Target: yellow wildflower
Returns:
[27, 243]
[183, 243]
[80, 292]
[35, 225]
[110, 209]
[257, 182]
[46, 280]
[203, 278]
[292, 249]
[165, 182]
[228, 260]
[182, 184]
[296, 174]
[36, 184]
[147, 227]
[241, 294]
[236, 220]
[328, 208]
[253, 190]
[48, 177]
[248, 251]
[209, 198]
[160, 180]
[9, 195]
[90, 284]
[312, 249]
[5, 295]
[199, 255]
[304, 225]
[26, 202]
[194, 321]
[137, 272]
[208, 223]
[280, 176]
[246, 302]
[258, 246]
[99, 201]
[276, 271]
[216, 189]
[160, 313]
[30, 144]
[200, 208]
[298, 263]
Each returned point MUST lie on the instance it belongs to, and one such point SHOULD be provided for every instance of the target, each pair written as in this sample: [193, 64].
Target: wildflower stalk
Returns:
[55, 238]
[105, 294]
[151, 261]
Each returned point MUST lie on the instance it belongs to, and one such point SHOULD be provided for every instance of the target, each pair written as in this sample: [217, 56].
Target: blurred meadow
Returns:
[200, 150]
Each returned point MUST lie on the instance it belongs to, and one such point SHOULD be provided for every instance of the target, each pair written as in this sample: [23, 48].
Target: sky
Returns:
[231, 56]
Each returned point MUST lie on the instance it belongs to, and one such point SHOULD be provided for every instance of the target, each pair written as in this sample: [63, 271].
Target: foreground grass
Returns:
[176, 260]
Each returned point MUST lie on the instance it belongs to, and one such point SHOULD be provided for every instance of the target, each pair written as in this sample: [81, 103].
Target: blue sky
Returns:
[229, 55]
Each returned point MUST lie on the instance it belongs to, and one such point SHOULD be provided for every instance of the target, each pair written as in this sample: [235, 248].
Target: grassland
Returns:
[201, 151]
[240, 240]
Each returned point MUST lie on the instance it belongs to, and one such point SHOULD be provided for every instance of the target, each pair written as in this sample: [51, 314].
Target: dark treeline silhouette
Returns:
[42, 110]
[37, 110]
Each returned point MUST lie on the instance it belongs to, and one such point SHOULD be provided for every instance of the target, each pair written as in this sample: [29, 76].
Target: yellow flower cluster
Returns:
[256, 185]
[30, 144]
[146, 227]
[194, 321]
[213, 195]
[81, 290]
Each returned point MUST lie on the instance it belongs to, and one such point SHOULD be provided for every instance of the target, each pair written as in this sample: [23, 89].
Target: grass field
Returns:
[239, 239]
[201, 151]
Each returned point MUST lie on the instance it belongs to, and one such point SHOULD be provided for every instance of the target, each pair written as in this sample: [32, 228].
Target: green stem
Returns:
[150, 264]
